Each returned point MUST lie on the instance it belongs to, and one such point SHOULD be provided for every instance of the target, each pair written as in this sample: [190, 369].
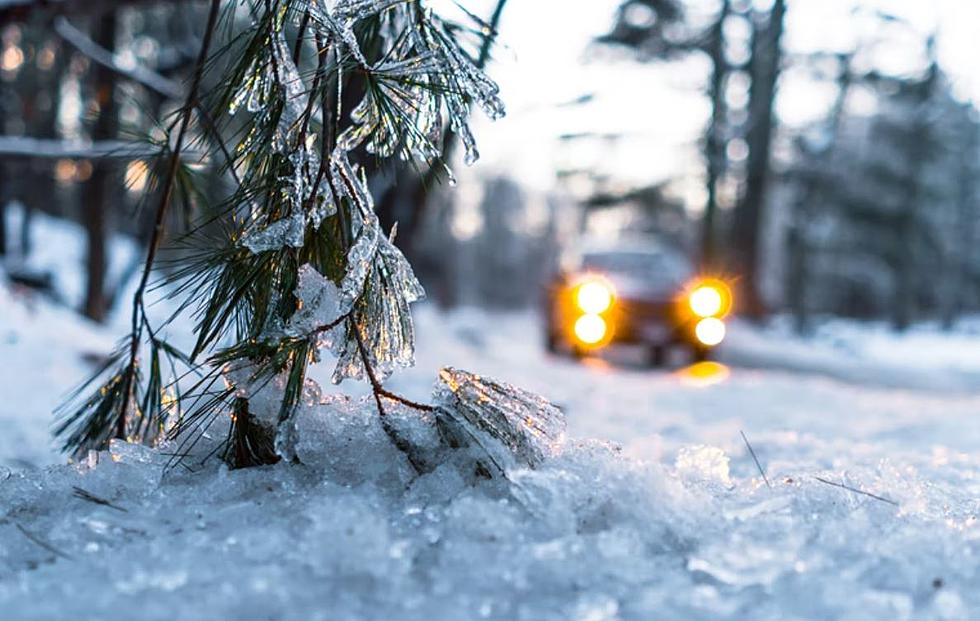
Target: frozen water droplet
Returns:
[471, 156]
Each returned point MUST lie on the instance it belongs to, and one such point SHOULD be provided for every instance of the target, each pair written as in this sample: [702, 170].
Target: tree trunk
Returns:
[4, 190]
[799, 249]
[764, 66]
[714, 143]
[99, 190]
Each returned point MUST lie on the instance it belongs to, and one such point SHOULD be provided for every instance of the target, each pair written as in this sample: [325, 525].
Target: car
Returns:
[644, 294]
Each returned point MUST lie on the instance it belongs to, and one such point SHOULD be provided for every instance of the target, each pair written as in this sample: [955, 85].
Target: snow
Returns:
[925, 357]
[664, 515]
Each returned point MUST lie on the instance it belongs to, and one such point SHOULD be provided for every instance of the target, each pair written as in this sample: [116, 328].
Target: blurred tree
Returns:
[99, 192]
[814, 178]
[661, 31]
[764, 67]
[5, 194]
[886, 204]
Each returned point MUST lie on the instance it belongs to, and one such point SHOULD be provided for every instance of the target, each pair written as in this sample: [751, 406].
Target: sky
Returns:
[659, 110]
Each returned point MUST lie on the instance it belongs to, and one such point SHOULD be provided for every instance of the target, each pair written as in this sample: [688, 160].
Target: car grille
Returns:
[644, 311]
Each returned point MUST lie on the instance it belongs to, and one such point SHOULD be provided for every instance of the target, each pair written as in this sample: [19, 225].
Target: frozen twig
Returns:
[857, 491]
[755, 459]
[380, 392]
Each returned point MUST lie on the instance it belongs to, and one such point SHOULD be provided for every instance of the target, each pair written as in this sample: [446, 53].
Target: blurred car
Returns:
[642, 294]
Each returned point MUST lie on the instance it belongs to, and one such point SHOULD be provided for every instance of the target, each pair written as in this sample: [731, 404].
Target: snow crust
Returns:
[590, 534]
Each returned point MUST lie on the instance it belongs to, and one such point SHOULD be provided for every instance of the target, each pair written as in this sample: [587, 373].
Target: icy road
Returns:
[867, 509]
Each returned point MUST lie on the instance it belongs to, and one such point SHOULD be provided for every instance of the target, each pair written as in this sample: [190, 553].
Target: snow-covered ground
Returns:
[652, 508]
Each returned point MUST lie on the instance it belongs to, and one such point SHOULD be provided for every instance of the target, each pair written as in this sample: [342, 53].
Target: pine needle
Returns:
[41, 543]
[755, 459]
[857, 491]
[90, 497]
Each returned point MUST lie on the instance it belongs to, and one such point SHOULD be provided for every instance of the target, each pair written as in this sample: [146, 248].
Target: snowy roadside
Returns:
[925, 358]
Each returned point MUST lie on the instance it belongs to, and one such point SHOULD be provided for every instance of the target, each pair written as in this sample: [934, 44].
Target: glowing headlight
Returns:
[710, 331]
[706, 301]
[590, 329]
[594, 297]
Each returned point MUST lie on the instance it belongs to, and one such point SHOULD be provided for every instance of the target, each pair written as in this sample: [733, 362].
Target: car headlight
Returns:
[710, 331]
[705, 301]
[710, 298]
[594, 297]
[590, 329]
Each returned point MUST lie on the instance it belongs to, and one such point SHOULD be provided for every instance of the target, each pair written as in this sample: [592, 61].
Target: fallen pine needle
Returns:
[756, 460]
[89, 496]
[41, 543]
[857, 491]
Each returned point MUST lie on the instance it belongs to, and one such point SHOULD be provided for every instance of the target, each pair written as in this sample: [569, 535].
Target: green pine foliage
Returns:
[302, 100]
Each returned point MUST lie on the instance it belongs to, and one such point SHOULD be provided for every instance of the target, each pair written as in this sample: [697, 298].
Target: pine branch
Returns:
[138, 318]
[298, 238]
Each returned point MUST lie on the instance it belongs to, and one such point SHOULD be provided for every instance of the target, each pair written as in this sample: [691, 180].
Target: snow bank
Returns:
[353, 533]
[925, 357]
[44, 351]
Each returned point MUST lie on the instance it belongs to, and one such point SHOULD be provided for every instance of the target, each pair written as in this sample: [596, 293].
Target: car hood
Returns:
[632, 288]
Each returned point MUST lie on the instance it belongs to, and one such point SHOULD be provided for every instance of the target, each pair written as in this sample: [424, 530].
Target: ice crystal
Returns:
[513, 427]
[284, 232]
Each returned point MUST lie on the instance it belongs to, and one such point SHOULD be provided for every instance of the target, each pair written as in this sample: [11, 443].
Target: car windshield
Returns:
[647, 266]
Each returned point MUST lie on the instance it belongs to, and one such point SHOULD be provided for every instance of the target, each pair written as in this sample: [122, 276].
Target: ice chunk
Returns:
[514, 427]
[320, 303]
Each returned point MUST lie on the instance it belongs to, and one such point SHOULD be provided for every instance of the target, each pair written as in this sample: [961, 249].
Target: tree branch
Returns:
[86, 46]
[22, 10]
[23, 147]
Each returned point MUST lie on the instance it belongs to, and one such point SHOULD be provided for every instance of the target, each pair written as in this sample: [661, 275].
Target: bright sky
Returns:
[660, 108]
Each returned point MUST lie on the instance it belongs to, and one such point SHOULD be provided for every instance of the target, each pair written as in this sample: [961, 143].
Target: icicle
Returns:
[379, 284]
[287, 438]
